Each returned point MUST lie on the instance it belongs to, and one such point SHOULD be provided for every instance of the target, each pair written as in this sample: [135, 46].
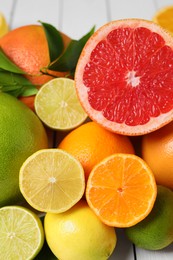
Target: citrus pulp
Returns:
[57, 105]
[124, 76]
[51, 180]
[121, 190]
[21, 233]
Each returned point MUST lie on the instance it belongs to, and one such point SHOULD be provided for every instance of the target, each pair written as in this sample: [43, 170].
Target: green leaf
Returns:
[68, 60]
[55, 41]
[16, 84]
[8, 65]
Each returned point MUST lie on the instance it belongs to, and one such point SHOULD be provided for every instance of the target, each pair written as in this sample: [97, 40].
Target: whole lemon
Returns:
[156, 230]
[79, 234]
[21, 134]
[157, 151]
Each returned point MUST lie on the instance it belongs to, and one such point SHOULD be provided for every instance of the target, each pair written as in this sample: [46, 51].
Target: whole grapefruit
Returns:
[22, 134]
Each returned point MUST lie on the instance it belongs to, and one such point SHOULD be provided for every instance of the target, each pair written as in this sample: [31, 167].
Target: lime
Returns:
[3, 25]
[57, 105]
[21, 233]
[79, 234]
[52, 180]
[156, 230]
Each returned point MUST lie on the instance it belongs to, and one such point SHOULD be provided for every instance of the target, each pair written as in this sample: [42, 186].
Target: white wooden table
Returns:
[76, 18]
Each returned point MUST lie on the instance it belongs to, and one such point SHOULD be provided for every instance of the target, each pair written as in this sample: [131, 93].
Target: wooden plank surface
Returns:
[75, 18]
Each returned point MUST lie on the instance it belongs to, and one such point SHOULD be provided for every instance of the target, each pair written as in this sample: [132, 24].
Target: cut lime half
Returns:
[57, 105]
[52, 180]
[21, 233]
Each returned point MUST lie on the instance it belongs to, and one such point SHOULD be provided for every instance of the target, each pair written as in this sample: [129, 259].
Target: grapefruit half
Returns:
[124, 77]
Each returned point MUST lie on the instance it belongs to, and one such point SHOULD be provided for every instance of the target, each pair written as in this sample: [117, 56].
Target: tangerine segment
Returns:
[124, 76]
[51, 180]
[121, 190]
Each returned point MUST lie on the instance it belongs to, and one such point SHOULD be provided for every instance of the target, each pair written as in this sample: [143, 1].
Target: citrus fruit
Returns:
[164, 17]
[27, 47]
[90, 143]
[121, 190]
[156, 230]
[21, 233]
[124, 76]
[157, 151]
[57, 105]
[3, 25]
[22, 133]
[79, 234]
[51, 180]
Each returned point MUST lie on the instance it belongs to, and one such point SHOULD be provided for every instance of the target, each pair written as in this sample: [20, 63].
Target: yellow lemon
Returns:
[79, 234]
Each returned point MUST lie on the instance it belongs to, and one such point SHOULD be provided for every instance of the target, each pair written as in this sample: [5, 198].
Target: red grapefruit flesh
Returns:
[124, 77]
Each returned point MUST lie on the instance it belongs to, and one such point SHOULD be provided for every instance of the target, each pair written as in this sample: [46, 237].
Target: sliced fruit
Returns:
[4, 28]
[51, 180]
[121, 190]
[21, 233]
[164, 17]
[124, 76]
[57, 105]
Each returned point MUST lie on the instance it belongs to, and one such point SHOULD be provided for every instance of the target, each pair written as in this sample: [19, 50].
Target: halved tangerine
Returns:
[124, 76]
[121, 190]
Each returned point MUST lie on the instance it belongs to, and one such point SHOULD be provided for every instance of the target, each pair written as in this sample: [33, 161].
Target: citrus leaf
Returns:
[27, 91]
[16, 84]
[68, 60]
[8, 65]
[54, 39]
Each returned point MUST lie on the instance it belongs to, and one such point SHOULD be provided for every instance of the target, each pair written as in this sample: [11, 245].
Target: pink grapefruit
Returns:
[124, 77]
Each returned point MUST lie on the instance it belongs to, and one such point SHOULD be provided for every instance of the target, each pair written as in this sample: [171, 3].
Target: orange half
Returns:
[121, 190]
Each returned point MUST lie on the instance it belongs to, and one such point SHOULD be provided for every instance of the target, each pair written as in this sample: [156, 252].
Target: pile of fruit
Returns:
[86, 140]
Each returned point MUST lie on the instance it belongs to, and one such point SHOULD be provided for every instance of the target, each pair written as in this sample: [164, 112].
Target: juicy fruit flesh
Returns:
[121, 190]
[21, 233]
[129, 76]
[51, 180]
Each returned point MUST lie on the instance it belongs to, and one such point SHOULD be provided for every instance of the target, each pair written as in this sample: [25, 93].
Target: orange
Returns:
[124, 76]
[90, 143]
[27, 47]
[121, 190]
[164, 17]
[157, 151]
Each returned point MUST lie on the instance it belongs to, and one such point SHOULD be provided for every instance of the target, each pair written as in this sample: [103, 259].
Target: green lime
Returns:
[57, 105]
[21, 233]
[156, 230]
